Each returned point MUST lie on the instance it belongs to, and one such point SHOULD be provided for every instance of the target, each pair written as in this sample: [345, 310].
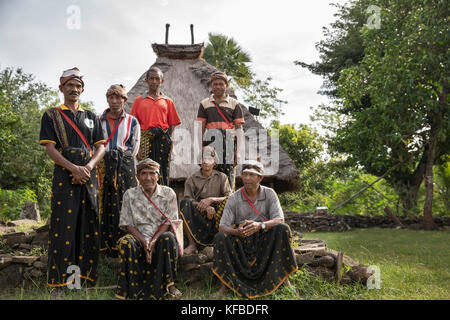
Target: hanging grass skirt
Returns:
[117, 176]
[199, 226]
[143, 281]
[74, 225]
[257, 265]
[156, 144]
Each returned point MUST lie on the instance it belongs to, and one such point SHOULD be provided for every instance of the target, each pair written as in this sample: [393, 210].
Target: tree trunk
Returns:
[428, 221]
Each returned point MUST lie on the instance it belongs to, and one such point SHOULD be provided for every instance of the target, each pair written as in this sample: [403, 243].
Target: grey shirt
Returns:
[237, 209]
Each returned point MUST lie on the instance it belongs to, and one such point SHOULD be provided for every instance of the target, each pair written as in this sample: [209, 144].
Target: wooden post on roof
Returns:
[167, 33]
[192, 33]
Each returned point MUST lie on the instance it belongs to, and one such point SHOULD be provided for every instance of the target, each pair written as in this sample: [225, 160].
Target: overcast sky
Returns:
[110, 41]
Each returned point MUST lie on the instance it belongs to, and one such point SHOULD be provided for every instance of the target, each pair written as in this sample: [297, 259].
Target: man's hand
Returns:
[210, 213]
[149, 251]
[204, 204]
[247, 228]
[80, 174]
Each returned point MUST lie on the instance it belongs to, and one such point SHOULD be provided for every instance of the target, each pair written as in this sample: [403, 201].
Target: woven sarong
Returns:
[257, 265]
[156, 144]
[140, 280]
[117, 176]
[74, 225]
[198, 225]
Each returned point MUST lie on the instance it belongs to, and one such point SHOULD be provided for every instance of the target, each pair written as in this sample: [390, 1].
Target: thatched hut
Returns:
[186, 81]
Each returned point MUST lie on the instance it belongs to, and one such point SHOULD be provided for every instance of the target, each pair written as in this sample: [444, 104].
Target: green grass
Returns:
[413, 265]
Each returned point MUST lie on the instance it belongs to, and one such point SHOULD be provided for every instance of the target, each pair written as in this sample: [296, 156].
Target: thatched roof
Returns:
[186, 79]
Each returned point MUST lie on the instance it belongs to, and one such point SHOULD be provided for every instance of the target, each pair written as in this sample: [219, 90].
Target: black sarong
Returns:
[198, 225]
[74, 226]
[140, 280]
[257, 265]
[226, 158]
[156, 144]
[118, 175]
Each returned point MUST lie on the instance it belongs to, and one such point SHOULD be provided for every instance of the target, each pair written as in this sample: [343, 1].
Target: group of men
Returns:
[110, 194]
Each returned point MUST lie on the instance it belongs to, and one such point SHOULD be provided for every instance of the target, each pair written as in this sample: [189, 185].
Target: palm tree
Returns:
[225, 54]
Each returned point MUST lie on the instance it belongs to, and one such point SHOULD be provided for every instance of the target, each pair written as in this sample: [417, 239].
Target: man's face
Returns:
[71, 90]
[154, 81]
[251, 180]
[208, 163]
[116, 103]
[218, 87]
[148, 178]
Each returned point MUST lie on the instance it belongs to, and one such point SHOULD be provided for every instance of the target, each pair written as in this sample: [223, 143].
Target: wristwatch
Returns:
[263, 226]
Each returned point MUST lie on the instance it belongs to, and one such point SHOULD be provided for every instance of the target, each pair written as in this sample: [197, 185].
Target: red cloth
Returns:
[151, 113]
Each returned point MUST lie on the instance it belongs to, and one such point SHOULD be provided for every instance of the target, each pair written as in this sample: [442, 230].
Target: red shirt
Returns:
[155, 113]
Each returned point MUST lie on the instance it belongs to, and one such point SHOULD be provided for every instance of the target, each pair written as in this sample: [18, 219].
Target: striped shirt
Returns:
[230, 108]
[127, 136]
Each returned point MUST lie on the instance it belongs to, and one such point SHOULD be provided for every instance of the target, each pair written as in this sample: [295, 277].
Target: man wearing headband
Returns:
[148, 253]
[222, 118]
[205, 195]
[74, 140]
[158, 118]
[253, 254]
[118, 166]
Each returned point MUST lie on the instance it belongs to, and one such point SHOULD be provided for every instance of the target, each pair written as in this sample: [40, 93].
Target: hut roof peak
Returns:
[179, 51]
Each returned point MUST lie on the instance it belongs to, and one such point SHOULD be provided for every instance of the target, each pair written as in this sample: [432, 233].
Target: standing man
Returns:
[222, 116]
[148, 253]
[158, 118]
[118, 166]
[73, 139]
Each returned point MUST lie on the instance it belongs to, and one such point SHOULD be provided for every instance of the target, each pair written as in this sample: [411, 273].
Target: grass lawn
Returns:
[413, 265]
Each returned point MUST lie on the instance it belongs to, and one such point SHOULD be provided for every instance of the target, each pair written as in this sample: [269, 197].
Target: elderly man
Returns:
[118, 166]
[252, 253]
[73, 139]
[221, 117]
[148, 253]
[205, 195]
[158, 118]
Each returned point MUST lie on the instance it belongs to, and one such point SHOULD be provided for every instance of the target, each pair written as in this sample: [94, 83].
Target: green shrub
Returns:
[12, 201]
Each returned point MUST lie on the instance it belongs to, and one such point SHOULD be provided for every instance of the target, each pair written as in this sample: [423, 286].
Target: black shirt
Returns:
[86, 121]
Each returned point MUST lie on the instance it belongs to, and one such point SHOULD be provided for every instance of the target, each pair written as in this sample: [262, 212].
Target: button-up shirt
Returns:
[237, 209]
[197, 187]
[140, 213]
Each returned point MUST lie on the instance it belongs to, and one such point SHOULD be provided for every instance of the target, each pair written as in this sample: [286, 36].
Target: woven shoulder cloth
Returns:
[58, 124]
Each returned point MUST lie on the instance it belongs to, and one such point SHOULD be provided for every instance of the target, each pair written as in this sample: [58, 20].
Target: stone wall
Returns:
[311, 221]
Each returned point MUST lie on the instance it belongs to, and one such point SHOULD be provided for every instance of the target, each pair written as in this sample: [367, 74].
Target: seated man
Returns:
[205, 194]
[253, 254]
[148, 254]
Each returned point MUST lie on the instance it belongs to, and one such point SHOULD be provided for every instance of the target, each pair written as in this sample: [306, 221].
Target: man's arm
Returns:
[80, 174]
[98, 155]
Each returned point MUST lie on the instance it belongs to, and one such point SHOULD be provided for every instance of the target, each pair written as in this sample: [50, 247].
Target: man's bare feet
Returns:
[174, 293]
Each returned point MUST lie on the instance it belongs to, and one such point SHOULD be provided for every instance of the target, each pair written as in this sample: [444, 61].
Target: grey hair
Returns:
[154, 69]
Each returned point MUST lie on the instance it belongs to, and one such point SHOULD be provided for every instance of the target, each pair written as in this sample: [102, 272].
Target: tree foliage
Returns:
[225, 54]
[24, 162]
[391, 91]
